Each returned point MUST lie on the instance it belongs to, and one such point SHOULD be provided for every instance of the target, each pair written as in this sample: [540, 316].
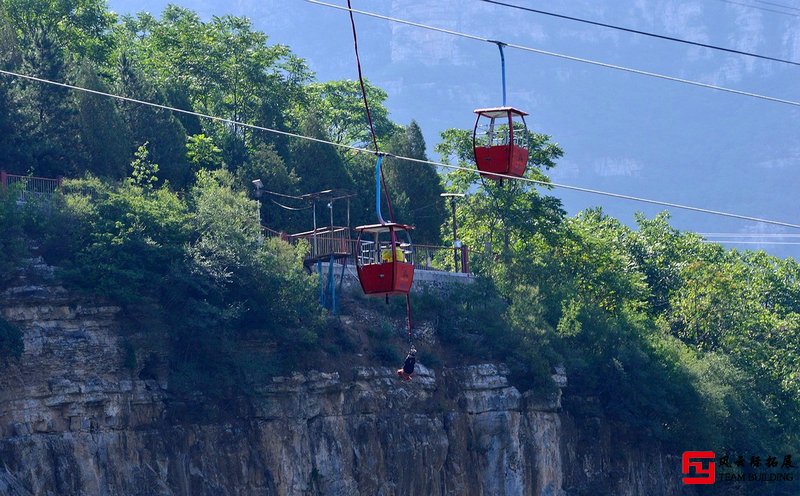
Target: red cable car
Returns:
[500, 142]
[383, 258]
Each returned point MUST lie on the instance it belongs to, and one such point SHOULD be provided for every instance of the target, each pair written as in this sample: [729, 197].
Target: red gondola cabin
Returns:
[500, 141]
[383, 260]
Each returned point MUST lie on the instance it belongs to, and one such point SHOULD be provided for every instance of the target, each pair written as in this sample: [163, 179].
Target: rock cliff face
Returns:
[75, 421]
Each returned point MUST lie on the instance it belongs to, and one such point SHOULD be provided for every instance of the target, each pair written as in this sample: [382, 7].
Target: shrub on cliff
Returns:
[12, 238]
[11, 345]
[200, 259]
[134, 237]
[478, 321]
[233, 285]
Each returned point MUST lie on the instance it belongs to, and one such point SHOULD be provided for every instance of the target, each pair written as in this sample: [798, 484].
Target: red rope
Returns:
[366, 106]
[361, 78]
[408, 316]
[375, 142]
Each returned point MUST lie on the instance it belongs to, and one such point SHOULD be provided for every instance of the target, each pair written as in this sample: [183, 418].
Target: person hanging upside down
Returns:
[407, 371]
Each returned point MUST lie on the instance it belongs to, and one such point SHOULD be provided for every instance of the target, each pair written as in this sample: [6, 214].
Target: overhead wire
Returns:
[399, 157]
[291, 197]
[284, 195]
[286, 207]
[643, 33]
[751, 238]
[734, 2]
[749, 235]
[788, 7]
[564, 56]
[737, 242]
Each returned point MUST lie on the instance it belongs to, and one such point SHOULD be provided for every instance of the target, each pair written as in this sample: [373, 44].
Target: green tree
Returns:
[317, 165]
[660, 251]
[203, 153]
[230, 250]
[51, 124]
[80, 26]
[223, 67]
[10, 118]
[10, 139]
[510, 222]
[712, 301]
[618, 360]
[179, 97]
[266, 164]
[144, 173]
[340, 108]
[104, 132]
[164, 134]
[415, 187]
[135, 235]
[13, 243]
[234, 287]
[201, 261]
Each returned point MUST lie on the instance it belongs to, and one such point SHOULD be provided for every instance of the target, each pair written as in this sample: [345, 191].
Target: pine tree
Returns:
[11, 156]
[104, 132]
[179, 97]
[415, 188]
[9, 139]
[318, 165]
[162, 130]
[51, 131]
[266, 164]
[235, 152]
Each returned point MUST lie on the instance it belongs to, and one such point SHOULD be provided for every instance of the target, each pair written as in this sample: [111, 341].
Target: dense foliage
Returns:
[198, 264]
[222, 67]
[673, 338]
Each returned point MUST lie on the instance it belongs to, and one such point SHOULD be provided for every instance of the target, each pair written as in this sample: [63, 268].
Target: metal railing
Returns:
[441, 258]
[29, 187]
[325, 242]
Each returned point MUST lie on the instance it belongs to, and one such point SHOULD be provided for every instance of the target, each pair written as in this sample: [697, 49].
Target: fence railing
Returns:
[326, 241]
[323, 243]
[29, 187]
[442, 258]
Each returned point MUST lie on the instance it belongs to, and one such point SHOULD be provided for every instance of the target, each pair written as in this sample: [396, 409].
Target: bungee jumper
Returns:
[407, 370]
